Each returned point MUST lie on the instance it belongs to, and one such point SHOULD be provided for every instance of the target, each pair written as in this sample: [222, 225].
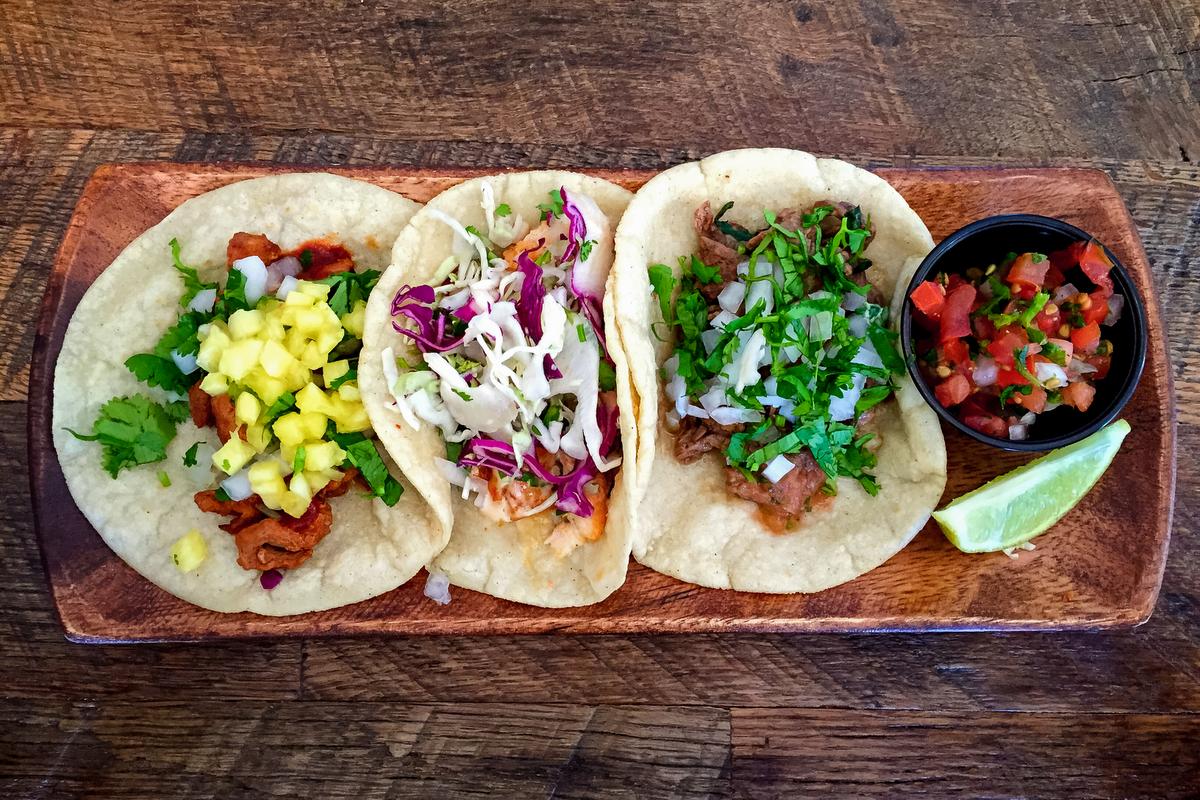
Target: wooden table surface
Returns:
[609, 84]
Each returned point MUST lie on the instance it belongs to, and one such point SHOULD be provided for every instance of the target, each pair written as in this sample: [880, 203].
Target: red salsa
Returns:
[1002, 344]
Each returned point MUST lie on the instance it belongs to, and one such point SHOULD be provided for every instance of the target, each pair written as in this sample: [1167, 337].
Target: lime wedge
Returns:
[1012, 509]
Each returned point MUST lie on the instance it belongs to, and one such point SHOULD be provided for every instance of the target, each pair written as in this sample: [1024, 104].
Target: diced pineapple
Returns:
[334, 370]
[355, 320]
[319, 291]
[287, 453]
[240, 357]
[319, 456]
[258, 437]
[294, 505]
[267, 482]
[349, 417]
[329, 338]
[244, 324]
[289, 430]
[273, 329]
[189, 551]
[317, 480]
[298, 299]
[298, 486]
[295, 342]
[348, 391]
[313, 424]
[276, 360]
[214, 383]
[212, 346]
[266, 387]
[247, 408]
[314, 357]
[311, 398]
[233, 455]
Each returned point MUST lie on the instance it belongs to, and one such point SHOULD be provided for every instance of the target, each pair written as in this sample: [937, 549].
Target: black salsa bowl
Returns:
[986, 241]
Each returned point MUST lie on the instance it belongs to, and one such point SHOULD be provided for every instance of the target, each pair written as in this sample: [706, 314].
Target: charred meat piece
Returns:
[284, 543]
[339, 487]
[243, 245]
[226, 419]
[790, 497]
[699, 436]
[243, 512]
[716, 249]
[322, 258]
[199, 405]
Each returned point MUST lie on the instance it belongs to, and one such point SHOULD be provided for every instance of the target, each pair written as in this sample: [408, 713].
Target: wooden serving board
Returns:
[1100, 567]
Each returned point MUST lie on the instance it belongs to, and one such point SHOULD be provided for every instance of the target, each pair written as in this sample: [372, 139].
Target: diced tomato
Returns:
[1008, 339]
[1048, 323]
[984, 328]
[1010, 377]
[929, 297]
[953, 281]
[1068, 257]
[1086, 338]
[1095, 263]
[953, 390]
[956, 354]
[1098, 310]
[955, 322]
[1027, 274]
[1035, 401]
[1079, 394]
[1102, 365]
[1054, 276]
[989, 424]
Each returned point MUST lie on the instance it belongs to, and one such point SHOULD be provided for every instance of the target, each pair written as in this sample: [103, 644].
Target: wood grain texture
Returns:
[1029, 79]
[1097, 568]
[613, 85]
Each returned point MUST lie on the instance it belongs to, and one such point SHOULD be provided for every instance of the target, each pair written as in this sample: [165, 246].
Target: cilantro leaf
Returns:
[871, 397]
[608, 376]
[884, 340]
[154, 370]
[349, 288]
[701, 271]
[192, 285]
[662, 279]
[555, 207]
[731, 229]
[298, 459]
[233, 297]
[503, 210]
[132, 431]
[189, 458]
[585, 249]
[283, 404]
[345, 377]
[361, 452]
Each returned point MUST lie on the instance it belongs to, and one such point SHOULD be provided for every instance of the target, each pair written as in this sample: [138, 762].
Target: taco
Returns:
[781, 446]
[489, 375]
[206, 411]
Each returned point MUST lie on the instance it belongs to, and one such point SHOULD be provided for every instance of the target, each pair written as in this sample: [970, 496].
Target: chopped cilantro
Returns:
[454, 451]
[306, 257]
[154, 370]
[189, 458]
[298, 460]
[581, 332]
[585, 249]
[361, 452]
[503, 210]
[164, 479]
[347, 376]
[543, 258]
[608, 376]
[284, 403]
[555, 207]
[731, 229]
[662, 279]
[464, 395]
[232, 297]
[192, 285]
[222, 495]
[349, 288]
[700, 271]
[132, 431]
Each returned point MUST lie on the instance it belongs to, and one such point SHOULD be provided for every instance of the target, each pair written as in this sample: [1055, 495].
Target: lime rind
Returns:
[1013, 508]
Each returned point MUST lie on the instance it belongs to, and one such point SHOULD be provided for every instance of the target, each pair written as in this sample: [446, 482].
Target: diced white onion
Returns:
[985, 371]
[286, 287]
[851, 301]
[677, 394]
[437, 587]
[721, 320]
[237, 485]
[256, 277]
[748, 361]
[186, 364]
[672, 419]
[867, 356]
[743, 269]
[778, 467]
[1028, 418]
[760, 291]
[790, 353]
[694, 410]
[1116, 304]
[858, 325]
[843, 408]
[281, 269]
[1045, 372]
[713, 398]
[709, 338]
[204, 300]
[732, 416]
[1018, 432]
[1064, 292]
[730, 298]
[1081, 367]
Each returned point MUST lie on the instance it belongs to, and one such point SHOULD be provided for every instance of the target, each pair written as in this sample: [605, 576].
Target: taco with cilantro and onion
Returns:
[781, 446]
[490, 374]
[207, 414]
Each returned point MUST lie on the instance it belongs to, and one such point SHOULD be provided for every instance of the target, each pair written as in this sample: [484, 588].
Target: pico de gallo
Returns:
[1004, 343]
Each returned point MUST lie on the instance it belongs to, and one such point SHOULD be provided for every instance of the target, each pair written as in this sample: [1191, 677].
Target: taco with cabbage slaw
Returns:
[490, 375]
